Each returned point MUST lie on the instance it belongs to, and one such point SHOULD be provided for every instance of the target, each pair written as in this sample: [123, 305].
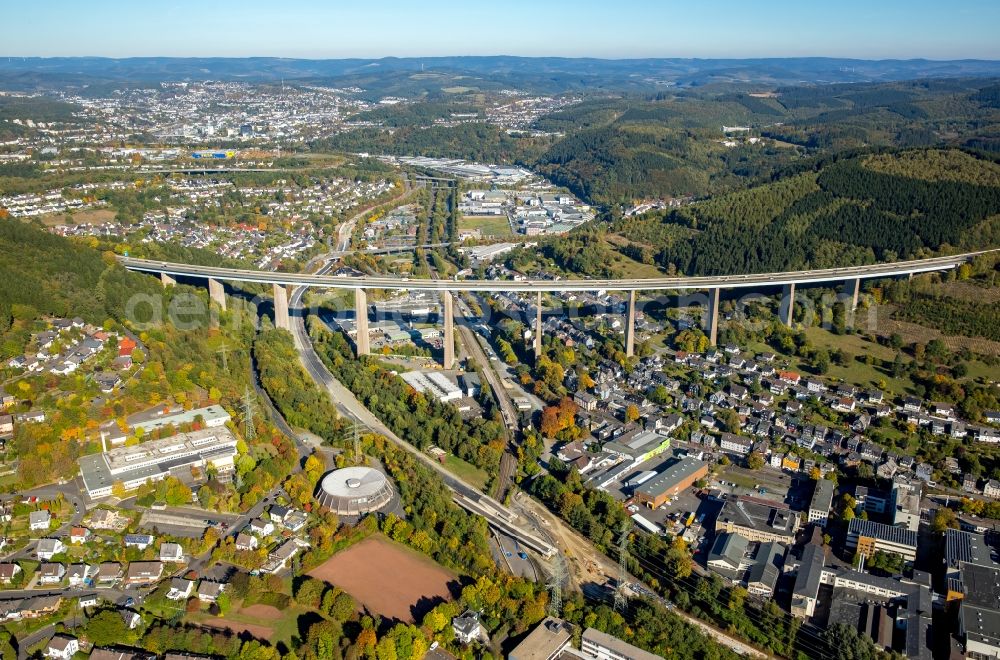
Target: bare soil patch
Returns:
[914, 332]
[237, 627]
[388, 579]
[262, 611]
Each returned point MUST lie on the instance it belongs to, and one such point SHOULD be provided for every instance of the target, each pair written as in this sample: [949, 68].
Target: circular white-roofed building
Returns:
[353, 491]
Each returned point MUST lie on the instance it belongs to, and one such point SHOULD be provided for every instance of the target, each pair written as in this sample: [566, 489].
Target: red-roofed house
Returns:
[789, 377]
[125, 346]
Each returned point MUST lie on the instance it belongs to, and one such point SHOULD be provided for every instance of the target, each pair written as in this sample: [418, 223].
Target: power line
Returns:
[620, 596]
[224, 351]
[249, 428]
[557, 578]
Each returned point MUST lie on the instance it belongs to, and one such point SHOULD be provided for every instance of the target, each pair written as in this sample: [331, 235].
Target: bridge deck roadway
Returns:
[653, 284]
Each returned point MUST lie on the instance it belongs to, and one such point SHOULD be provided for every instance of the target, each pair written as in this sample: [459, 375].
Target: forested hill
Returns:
[858, 210]
[617, 150]
[42, 273]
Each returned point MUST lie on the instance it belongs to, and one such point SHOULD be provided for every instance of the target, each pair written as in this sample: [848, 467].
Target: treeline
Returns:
[416, 114]
[952, 316]
[281, 375]
[936, 211]
[474, 141]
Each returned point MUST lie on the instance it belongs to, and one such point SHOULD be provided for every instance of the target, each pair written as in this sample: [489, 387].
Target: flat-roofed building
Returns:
[638, 446]
[961, 546]
[979, 614]
[157, 459]
[868, 536]
[678, 476]
[151, 420]
[546, 642]
[822, 502]
[602, 646]
[757, 520]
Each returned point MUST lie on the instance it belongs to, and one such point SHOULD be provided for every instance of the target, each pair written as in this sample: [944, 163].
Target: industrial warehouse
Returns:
[677, 477]
[157, 459]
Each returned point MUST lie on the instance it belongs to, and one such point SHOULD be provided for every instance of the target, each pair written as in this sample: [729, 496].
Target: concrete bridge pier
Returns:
[538, 326]
[713, 316]
[281, 319]
[167, 280]
[630, 326]
[361, 342]
[787, 305]
[853, 289]
[448, 303]
[217, 293]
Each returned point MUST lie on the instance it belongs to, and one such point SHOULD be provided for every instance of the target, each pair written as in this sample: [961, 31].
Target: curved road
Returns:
[653, 284]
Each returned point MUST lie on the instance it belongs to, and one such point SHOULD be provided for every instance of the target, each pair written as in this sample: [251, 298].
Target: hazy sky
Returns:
[935, 29]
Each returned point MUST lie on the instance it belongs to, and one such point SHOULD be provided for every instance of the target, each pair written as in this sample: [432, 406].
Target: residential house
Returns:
[143, 573]
[50, 573]
[261, 527]
[180, 588]
[79, 535]
[9, 571]
[48, 548]
[39, 520]
[62, 647]
[140, 541]
[109, 572]
[131, 618]
[970, 483]
[105, 519]
[79, 575]
[735, 444]
[246, 542]
[171, 552]
[468, 628]
[208, 591]
[992, 488]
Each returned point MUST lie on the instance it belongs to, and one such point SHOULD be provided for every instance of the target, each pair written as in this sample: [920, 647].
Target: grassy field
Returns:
[93, 216]
[632, 269]
[466, 471]
[261, 621]
[496, 226]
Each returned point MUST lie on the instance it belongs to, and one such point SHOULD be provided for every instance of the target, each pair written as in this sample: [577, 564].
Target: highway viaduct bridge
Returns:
[497, 515]
[850, 276]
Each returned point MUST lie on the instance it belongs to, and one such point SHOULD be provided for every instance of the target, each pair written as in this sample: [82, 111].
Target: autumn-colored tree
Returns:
[366, 640]
[631, 413]
[118, 490]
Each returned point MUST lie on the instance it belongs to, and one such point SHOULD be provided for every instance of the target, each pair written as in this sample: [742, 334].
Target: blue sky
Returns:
[935, 29]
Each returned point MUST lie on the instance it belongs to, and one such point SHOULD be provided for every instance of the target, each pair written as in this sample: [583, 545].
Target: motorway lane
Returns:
[652, 284]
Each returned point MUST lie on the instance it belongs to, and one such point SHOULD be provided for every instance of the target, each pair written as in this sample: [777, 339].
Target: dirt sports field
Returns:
[387, 578]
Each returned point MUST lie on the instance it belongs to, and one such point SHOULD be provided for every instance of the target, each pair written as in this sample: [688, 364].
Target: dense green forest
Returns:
[851, 211]
[416, 114]
[617, 151]
[46, 274]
